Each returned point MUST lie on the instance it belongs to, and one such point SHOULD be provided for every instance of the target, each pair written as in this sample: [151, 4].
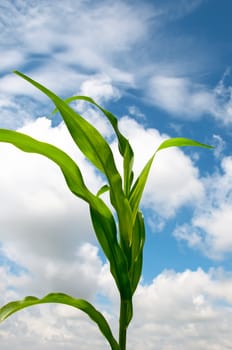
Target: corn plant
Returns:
[121, 234]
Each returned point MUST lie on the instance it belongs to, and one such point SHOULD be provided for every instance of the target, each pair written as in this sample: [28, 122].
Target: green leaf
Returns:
[107, 237]
[138, 188]
[106, 233]
[181, 142]
[102, 190]
[68, 167]
[97, 150]
[123, 143]
[85, 135]
[61, 298]
[137, 251]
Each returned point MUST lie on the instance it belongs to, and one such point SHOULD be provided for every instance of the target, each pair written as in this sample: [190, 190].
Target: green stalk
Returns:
[123, 324]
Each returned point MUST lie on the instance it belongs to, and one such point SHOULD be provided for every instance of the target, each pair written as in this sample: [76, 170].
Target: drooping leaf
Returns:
[68, 167]
[61, 298]
[102, 190]
[108, 235]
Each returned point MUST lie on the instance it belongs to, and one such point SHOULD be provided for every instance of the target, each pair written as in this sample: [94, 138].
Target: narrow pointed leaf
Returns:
[181, 142]
[108, 235]
[137, 251]
[103, 189]
[123, 143]
[61, 298]
[85, 135]
[97, 150]
[138, 188]
[68, 167]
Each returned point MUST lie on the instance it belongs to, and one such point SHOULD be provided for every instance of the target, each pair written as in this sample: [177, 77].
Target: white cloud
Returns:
[42, 223]
[100, 88]
[135, 111]
[94, 39]
[183, 98]
[192, 308]
[165, 192]
[11, 59]
[210, 229]
[219, 146]
[179, 96]
[35, 195]
[102, 40]
[37, 208]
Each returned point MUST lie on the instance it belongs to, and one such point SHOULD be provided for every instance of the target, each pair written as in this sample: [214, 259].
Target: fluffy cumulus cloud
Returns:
[183, 310]
[188, 310]
[181, 97]
[164, 193]
[42, 223]
[210, 229]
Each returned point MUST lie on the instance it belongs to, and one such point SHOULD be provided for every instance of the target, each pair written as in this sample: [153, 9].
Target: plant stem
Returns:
[123, 324]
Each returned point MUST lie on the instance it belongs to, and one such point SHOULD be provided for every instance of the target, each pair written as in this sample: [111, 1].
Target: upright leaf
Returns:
[138, 188]
[97, 150]
[138, 240]
[123, 143]
[106, 234]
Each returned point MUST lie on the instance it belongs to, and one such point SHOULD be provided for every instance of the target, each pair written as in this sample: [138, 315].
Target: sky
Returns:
[164, 69]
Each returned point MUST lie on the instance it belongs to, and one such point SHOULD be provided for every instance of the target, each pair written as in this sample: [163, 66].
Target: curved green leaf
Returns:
[123, 143]
[138, 240]
[107, 237]
[102, 190]
[138, 188]
[86, 136]
[61, 298]
[181, 142]
[68, 167]
[97, 150]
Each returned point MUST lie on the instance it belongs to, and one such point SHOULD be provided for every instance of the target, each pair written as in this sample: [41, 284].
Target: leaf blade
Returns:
[138, 188]
[68, 167]
[107, 236]
[61, 298]
[97, 150]
[181, 142]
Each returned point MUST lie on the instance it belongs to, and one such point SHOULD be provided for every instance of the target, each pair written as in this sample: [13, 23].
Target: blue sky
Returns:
[164, 68]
